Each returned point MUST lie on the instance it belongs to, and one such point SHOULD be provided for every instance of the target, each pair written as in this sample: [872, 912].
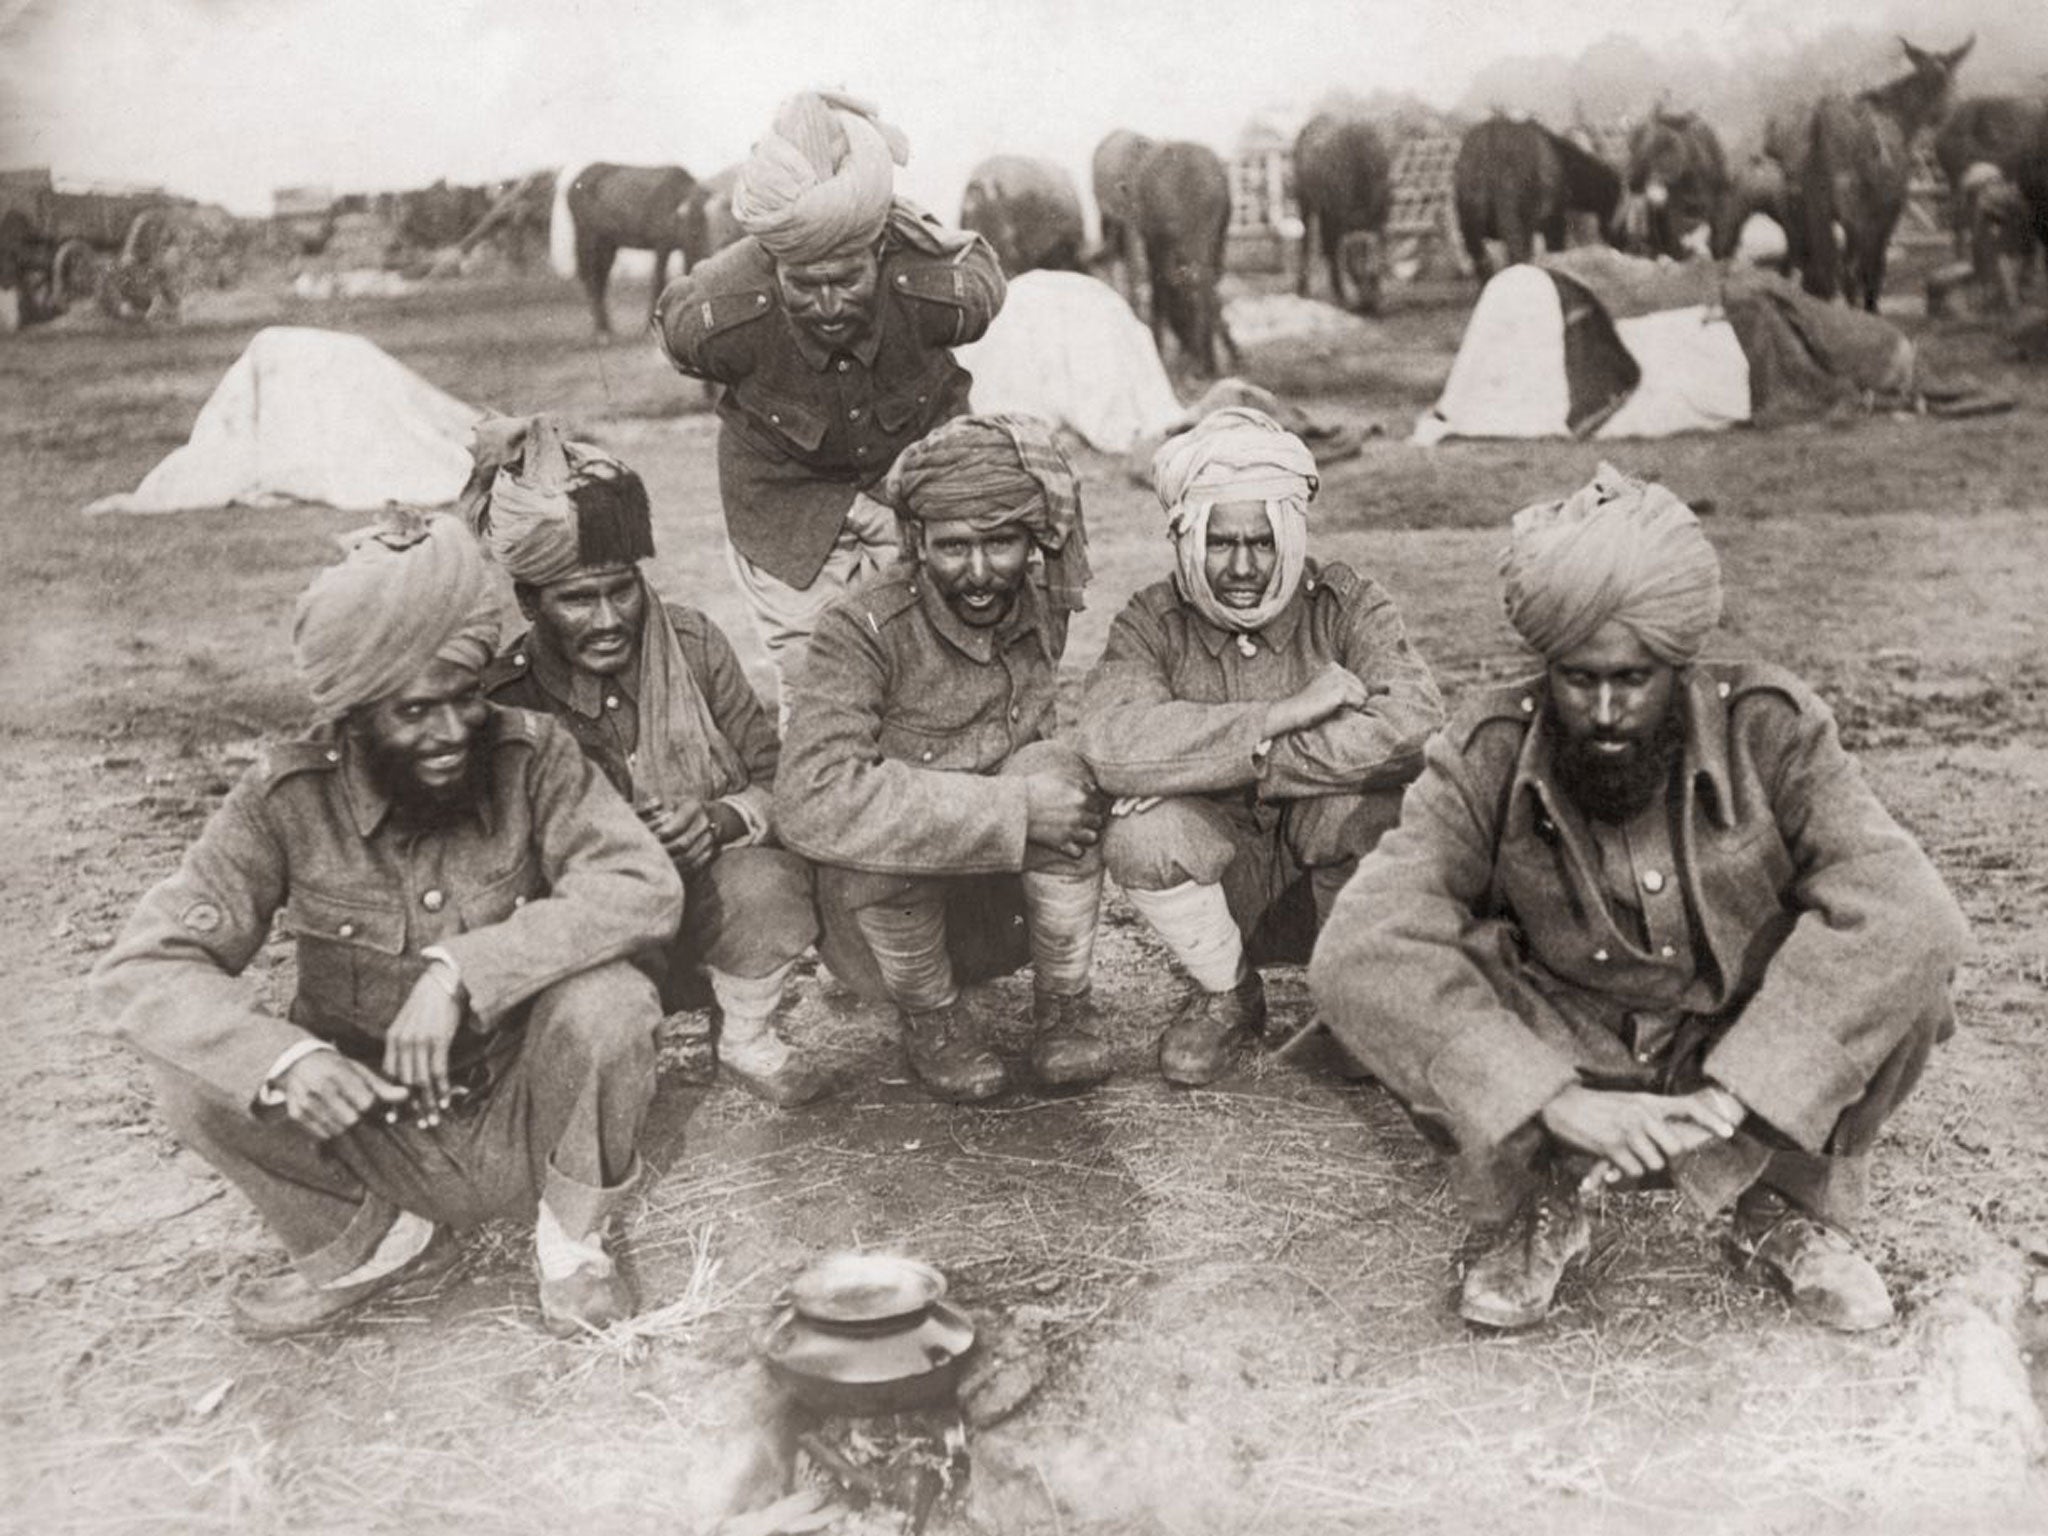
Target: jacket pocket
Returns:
[499, 897]
[788, 420]
[900, 412]
[351, 952]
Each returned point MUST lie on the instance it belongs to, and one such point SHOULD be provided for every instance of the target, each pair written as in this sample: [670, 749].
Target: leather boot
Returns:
[1512, 1282]
[949, 1053]
[1816, 1264]
[278, 1306]
[1212, 1027]
[1067, 1052]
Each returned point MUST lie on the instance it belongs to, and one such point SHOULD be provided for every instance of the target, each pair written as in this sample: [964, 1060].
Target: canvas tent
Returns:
[1592, 343]
[307, 415]
[1067, 347]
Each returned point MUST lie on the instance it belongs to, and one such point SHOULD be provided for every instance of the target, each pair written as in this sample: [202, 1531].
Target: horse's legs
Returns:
[1554, 239]
[660, 280]
[1309, 223]
[594, 257]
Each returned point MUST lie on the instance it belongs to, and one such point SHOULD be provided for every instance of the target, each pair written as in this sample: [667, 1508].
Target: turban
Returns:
[994, 471]
[821, 183]
[411, 590]
[1617, 549]
[1236, 454]
[545, 508]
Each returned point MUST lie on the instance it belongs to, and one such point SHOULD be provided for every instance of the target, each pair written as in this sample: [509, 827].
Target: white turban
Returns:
[1236, 454]
[821, 183]
[1617, 549]
[411, 589]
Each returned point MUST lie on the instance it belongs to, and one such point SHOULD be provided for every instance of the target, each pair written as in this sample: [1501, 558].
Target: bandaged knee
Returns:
[1194, 922]
[1062, 912]
[908, 940]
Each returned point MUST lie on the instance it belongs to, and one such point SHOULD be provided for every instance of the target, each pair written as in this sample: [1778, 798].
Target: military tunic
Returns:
[1784, 938]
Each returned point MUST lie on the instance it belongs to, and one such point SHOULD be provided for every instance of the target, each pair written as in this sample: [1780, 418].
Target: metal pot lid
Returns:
[865, 1288]
[940, 1338]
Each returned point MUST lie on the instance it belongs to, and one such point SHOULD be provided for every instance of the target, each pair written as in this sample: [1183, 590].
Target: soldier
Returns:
[466, 892]
[1642, 917]
[954, 839]
[655, 696]
[831, 329]
[1256, 714]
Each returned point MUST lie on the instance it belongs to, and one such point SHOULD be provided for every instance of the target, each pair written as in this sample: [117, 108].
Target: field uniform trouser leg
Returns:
[945, 931]
[560, 1122]
[784, 616]
[749, 913]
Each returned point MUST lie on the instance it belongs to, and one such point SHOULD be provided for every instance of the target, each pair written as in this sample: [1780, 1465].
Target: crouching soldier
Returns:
[655, 696]
[1642, 917]
[1256, 714]
[955, 840]
[469, 1039]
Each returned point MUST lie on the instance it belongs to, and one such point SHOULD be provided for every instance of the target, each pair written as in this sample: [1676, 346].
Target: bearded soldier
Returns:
[1643, 918]
[830, 329]
[468, 1039]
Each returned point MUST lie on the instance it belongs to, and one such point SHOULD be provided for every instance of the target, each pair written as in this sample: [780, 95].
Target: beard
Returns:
[1616, 787]
[427, 807]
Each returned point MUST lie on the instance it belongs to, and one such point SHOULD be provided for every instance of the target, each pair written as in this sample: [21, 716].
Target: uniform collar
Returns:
[1025, 618]
[567, 684]
[369, 807]
[1279, 631]
[1703, 711]
[820, 356]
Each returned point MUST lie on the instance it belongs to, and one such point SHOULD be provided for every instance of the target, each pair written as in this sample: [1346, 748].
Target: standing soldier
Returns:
[831, 328]
[1256, 714]
[953, 839]
[1643, 918]
[466, 892]
[655, 696]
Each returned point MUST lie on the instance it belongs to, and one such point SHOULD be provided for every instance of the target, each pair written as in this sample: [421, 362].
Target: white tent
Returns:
[308, 415]
[1067, 347]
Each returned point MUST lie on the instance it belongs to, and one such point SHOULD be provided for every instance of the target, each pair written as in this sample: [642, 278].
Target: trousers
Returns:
[559, 1120]
[748, 913]
[784, 616]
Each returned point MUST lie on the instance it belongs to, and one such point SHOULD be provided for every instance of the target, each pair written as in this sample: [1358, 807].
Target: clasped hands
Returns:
[1631, 1135]
[691, 831]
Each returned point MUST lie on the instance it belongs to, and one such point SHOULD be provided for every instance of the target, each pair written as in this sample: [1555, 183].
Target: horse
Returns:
[708, 222]
[1028, 210]
[1514, 180]
[1343, 180]
[626, 207]
[1677, 180]
[1113, 173]
[1857, 162]
[1183, 219]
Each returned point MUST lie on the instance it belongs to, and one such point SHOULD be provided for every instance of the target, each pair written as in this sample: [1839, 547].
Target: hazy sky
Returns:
[226, 99]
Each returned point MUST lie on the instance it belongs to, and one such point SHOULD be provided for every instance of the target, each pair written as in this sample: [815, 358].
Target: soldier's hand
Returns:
[417, 1044]
[1334, 688]
[327, 1093]
[1636, 1133]
[684, 829]
[1061, 814]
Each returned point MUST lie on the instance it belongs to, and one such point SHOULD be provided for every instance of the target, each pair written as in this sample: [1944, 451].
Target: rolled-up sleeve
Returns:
[611, 890]
[840, 800]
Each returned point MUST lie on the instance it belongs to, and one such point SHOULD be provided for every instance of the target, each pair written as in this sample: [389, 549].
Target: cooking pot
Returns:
[866, 1334]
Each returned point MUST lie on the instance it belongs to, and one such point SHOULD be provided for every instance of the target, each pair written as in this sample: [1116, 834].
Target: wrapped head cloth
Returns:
[1618, 549]
[545, 507]
[994, 471]
[1236, 454]
[821, 182]
[411, 589]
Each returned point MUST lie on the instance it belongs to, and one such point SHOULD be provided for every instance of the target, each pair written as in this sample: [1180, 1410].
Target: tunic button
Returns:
[1645, 1057]
[519, 658]
[854, 414]
[1016, 712]
[775, 418]
[844, 365]
[1653, 880]
[925, 756]
[1600, 955]
[611, 701]
[433, 901]
[760, 300]
[518, 901]
[346, 931]
[1528, 705]
[1669, 952]
[902, 281]
[1723, 689]
[333, 756]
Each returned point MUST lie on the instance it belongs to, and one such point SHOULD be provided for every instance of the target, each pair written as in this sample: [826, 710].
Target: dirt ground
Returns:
[1238, 1299]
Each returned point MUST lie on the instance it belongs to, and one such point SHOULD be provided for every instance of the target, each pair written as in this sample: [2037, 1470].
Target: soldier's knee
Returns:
[607, 1014]
[1167, 845]
[1336, 829]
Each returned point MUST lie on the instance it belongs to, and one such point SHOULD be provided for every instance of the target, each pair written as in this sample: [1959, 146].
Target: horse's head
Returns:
[1942, 65]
